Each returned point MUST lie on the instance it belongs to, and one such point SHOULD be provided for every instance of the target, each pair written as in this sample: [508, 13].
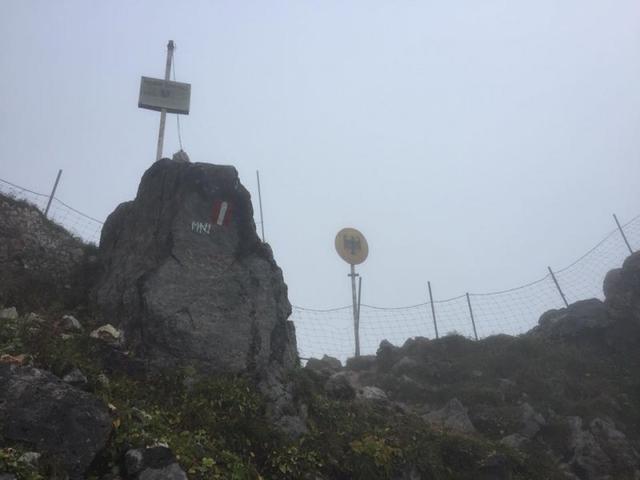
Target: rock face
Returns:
[187, 278]
[452, 416]
[576, 319]
[38, 409]
[622, 289]
[39, 261]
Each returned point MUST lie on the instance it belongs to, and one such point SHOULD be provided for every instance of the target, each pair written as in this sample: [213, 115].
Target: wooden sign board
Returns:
[157, 94]
[352, 246]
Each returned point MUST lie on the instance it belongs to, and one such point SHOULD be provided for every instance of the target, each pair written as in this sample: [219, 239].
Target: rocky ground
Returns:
[91, 385]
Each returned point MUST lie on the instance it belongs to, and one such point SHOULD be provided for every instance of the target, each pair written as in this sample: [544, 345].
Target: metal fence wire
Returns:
[511, 312]
[330, 331]
[79, 224]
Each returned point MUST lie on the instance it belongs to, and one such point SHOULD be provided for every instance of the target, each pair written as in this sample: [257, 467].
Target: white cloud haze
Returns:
[473, 143]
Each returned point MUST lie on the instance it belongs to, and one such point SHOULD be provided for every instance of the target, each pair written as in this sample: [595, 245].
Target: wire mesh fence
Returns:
[511, 312]
[79, 224]
[330, 331]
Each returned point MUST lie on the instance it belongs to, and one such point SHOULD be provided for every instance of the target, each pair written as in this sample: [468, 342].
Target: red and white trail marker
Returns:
[221, 214]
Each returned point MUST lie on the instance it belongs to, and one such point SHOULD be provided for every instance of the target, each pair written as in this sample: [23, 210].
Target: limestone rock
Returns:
[38, 409]
[452, 416]
[407, 388]
[153, 463]
[532, 421]
[109, 334]
[363, 362]
[387, 355]
[615, 444]
[589, 460]
[76, 378]
[404, 365]
[622, 289]
[283, 412]
[341, 386]
[613, 282]
[574, 320]
[515, 440]
[30, 458]
[40, 262]
[187, 277]
[372, 394]
[325, 365]
[103, 380]
[10, 313]
[181, 156]
[69, 323]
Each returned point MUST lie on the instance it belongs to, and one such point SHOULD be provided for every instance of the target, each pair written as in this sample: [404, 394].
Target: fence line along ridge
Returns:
[330, 331]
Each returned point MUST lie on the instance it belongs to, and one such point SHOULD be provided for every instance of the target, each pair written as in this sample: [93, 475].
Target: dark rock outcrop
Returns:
[325, 366]
[187, 278]
[577, 319]
[40, 410]
[341, 386]
[621, 288]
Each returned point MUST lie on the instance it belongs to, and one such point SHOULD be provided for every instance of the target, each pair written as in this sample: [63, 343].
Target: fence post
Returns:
[473, 322]
[260, 203]
[624, 237]
[356, 310]
[564, 299]
[359, 297]
[53, 192]
[433, 310]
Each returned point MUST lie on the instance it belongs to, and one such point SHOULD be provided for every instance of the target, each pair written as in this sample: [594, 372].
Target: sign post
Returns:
[164, 96]
[353, 249]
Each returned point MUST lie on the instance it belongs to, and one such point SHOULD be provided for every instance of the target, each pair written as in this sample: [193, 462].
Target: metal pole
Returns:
[260, 202]
[359, 299]
[558, 287]
[433, 310]
[356, 332]
[473, 322]
[624, 237]
[163, 112]
[53, 192]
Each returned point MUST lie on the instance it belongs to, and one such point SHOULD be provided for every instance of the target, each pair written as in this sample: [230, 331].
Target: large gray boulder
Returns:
[453, 416]
[39, 410]
[187, 278]
[589, 461]
[581, 317]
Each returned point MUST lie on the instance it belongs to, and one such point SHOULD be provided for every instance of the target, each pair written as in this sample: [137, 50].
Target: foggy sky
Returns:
[473, 143]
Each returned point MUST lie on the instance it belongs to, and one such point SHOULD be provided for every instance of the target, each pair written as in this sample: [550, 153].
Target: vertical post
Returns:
[260, 202]
[473, 322]
[163, 112]
[53, 192]
[624, 237]
[564, 299]
[356, 326]
[359, 300]
[433, 311]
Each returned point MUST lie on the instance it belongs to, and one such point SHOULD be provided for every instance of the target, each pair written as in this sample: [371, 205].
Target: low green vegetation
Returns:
[216, 426]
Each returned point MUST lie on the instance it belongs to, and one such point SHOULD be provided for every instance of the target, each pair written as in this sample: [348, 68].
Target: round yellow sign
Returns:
[352, 246]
